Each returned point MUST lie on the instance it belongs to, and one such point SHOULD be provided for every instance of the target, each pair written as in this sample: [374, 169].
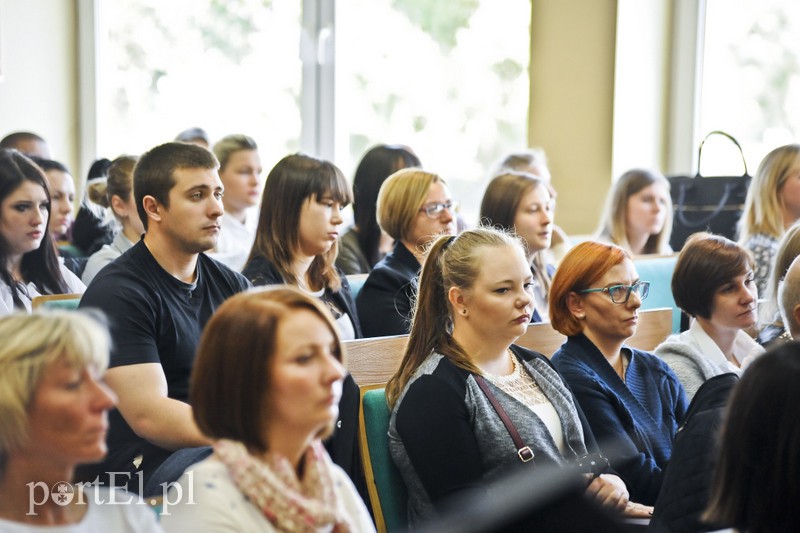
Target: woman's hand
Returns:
[610, 491]
[638, 510]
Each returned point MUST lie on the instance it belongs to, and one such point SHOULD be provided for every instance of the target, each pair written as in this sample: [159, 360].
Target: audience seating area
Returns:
[373, 361]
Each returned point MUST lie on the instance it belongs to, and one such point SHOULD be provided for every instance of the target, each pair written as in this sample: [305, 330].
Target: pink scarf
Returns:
[271, 484]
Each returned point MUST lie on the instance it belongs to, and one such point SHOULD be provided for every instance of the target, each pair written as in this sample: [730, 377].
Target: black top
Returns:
[261, 271]
[155, 318]
[384, 303]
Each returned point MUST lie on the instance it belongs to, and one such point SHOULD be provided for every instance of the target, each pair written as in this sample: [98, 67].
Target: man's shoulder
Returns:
[216, 272]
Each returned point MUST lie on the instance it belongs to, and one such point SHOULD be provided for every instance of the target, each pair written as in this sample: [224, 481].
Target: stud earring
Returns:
[463, 311]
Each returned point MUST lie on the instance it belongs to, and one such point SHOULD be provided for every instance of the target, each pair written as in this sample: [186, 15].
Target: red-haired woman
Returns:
[633, 401]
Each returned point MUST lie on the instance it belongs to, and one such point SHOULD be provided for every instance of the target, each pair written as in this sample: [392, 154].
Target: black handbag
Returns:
[707, 203]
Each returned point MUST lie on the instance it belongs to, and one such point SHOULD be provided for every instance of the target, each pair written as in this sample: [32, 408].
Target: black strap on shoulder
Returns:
[524, 452]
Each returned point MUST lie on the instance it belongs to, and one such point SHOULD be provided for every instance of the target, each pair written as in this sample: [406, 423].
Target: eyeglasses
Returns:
[620, 293]
[436, 210]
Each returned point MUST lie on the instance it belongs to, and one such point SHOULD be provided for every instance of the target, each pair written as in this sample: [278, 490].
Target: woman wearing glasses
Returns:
[634, 402]
[713, 282]
[414, 206]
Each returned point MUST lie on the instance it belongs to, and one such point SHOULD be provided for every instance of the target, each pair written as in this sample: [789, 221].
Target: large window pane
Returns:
[229, 66]
[449, 79]
[751, 77]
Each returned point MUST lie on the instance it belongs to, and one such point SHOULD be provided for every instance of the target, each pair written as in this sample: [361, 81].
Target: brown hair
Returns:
[706, 263]
[450, 262]
[230, 399]
[293, 181]
[755, 479]
[614, 222]
[499, 209]
[583, 265]
[154, 173]
[119, 181]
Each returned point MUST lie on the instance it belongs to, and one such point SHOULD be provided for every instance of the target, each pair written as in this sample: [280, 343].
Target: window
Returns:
[449, 79]
[228, 66]
[751, 78]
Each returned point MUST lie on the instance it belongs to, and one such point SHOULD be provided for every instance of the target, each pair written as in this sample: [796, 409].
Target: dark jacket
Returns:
[384, 303]
[687, 481]
[261, 271]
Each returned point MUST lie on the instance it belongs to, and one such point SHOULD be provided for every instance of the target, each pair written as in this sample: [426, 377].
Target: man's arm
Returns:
[142, 400]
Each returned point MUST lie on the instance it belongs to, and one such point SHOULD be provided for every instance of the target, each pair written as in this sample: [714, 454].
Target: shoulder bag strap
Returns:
[523, 451]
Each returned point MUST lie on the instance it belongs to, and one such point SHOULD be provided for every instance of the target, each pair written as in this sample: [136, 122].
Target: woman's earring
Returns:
[581, 317]
[463, 311]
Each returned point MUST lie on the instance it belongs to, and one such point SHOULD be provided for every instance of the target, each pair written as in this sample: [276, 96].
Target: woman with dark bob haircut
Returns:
[634, 402]
[713, 282]
[755, 487]
[29, 262]
[365, 244]
[267, 414]
[298, 233]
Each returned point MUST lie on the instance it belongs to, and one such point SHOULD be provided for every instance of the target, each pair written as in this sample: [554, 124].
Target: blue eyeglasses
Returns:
[620, 293]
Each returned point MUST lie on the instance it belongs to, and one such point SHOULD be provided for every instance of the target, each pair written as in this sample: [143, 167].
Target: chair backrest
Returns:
[387, 491]
[654, 326]
[56, 301]
[373, 361]
[356, 282]
[658, 271]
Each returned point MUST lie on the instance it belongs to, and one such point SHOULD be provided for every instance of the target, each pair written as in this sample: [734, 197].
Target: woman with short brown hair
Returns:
[268, 411]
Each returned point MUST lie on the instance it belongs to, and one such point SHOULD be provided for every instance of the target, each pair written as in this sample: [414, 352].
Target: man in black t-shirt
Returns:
[158, 296]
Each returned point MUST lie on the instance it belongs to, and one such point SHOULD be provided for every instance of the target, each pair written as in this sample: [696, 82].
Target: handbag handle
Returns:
[727, 136]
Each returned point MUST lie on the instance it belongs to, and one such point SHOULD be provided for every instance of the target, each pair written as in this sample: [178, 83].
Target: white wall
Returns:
[38, 89]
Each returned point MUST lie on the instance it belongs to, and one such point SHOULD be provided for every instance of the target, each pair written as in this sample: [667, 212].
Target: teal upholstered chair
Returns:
[387, 491]
[658, 271]
[56, 301]
[356, 282]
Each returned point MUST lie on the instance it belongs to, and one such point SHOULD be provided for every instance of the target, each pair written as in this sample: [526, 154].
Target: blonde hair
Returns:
[30, 344]
[532, 161]
[450, 262]
[613, 223]
[229, 145]
[763, 207]
[400, 198]
[788, 249]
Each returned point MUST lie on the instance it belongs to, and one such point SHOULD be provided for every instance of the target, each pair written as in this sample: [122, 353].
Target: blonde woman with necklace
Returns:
[474, 300]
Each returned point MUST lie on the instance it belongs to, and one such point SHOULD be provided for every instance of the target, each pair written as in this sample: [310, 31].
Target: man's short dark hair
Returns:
[154, 174]
[13, 139]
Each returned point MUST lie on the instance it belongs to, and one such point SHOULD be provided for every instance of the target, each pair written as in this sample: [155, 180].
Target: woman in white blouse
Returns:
[714, 283]
[29, 263]
[240, 171]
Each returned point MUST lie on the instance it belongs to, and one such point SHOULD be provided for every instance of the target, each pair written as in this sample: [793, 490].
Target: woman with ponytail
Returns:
[474, 300]
[118, 195]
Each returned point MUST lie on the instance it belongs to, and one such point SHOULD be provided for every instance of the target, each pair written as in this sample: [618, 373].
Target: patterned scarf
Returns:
[271, 484]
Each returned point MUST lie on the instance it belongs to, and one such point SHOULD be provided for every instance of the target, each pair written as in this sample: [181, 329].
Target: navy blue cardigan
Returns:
[634, 421]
